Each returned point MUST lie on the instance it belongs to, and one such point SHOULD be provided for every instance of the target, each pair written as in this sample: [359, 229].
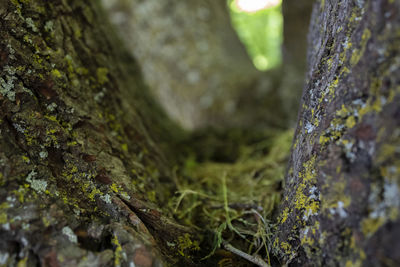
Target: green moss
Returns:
[3, 218]
[102, 75]
[124, 147]
[72, 143]
[235, 199]
[56, 73]
[151, 195]
[186, 243]
[77, 33]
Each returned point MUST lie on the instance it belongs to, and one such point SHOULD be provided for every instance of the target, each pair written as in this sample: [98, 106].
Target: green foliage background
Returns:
[261, 32]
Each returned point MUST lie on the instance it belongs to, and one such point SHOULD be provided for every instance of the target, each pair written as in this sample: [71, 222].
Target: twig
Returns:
[239, 206]
[254, 259]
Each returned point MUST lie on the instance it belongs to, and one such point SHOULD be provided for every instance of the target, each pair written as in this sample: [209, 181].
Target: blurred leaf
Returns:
[261, 32]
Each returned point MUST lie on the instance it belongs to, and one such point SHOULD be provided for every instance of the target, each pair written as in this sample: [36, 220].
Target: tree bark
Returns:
[83, 178]
[296, 17]
[87, 166]
[210, 82]
[341, 200]
[190, 56]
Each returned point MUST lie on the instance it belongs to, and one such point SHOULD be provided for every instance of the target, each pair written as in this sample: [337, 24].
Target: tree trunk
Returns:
[87, 163]
[190, 56]
[296, 17]
[341, 198]
[83, 178]
[210, 82]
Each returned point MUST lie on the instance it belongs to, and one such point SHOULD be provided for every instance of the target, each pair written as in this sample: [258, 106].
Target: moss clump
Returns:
[235, 200]
[186, 243]
[102, 75]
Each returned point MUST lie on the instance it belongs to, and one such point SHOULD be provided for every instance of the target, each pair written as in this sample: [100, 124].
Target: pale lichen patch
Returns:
[70, 234]
[51, 107]
[49, 26]
[7, 87]
[339, 210]
[31, 24]
[4, 257]
[309, 127]
[43, 154]
[106, 198]
[36, 184]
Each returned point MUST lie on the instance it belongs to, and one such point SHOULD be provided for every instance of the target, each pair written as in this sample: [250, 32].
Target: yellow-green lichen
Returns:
[303, 202]
[370, 225]
[357, 53]
[114, 187]
[324, 139]
[25, 159]
[22, 262]
[117, 251]
[21, 192]
[286, 247]
[72, 143]
[284, 215]
[56, 73]
[93, 193]
[309, 234]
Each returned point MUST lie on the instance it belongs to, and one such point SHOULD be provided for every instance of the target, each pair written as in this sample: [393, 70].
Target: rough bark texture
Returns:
[341, 201]
[84, 180]
[81, 176]
[191, 57]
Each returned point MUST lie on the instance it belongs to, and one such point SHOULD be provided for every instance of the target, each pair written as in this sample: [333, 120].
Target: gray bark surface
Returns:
[296, 17]
[341, 198]
[87, 157]
[199, 71]
[190, 56]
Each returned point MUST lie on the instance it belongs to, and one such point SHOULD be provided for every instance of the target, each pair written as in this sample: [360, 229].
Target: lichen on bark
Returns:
[340, 202]
[89, 162]
[78, 163]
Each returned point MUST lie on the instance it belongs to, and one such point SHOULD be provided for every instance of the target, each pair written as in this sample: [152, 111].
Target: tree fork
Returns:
[84, 178]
